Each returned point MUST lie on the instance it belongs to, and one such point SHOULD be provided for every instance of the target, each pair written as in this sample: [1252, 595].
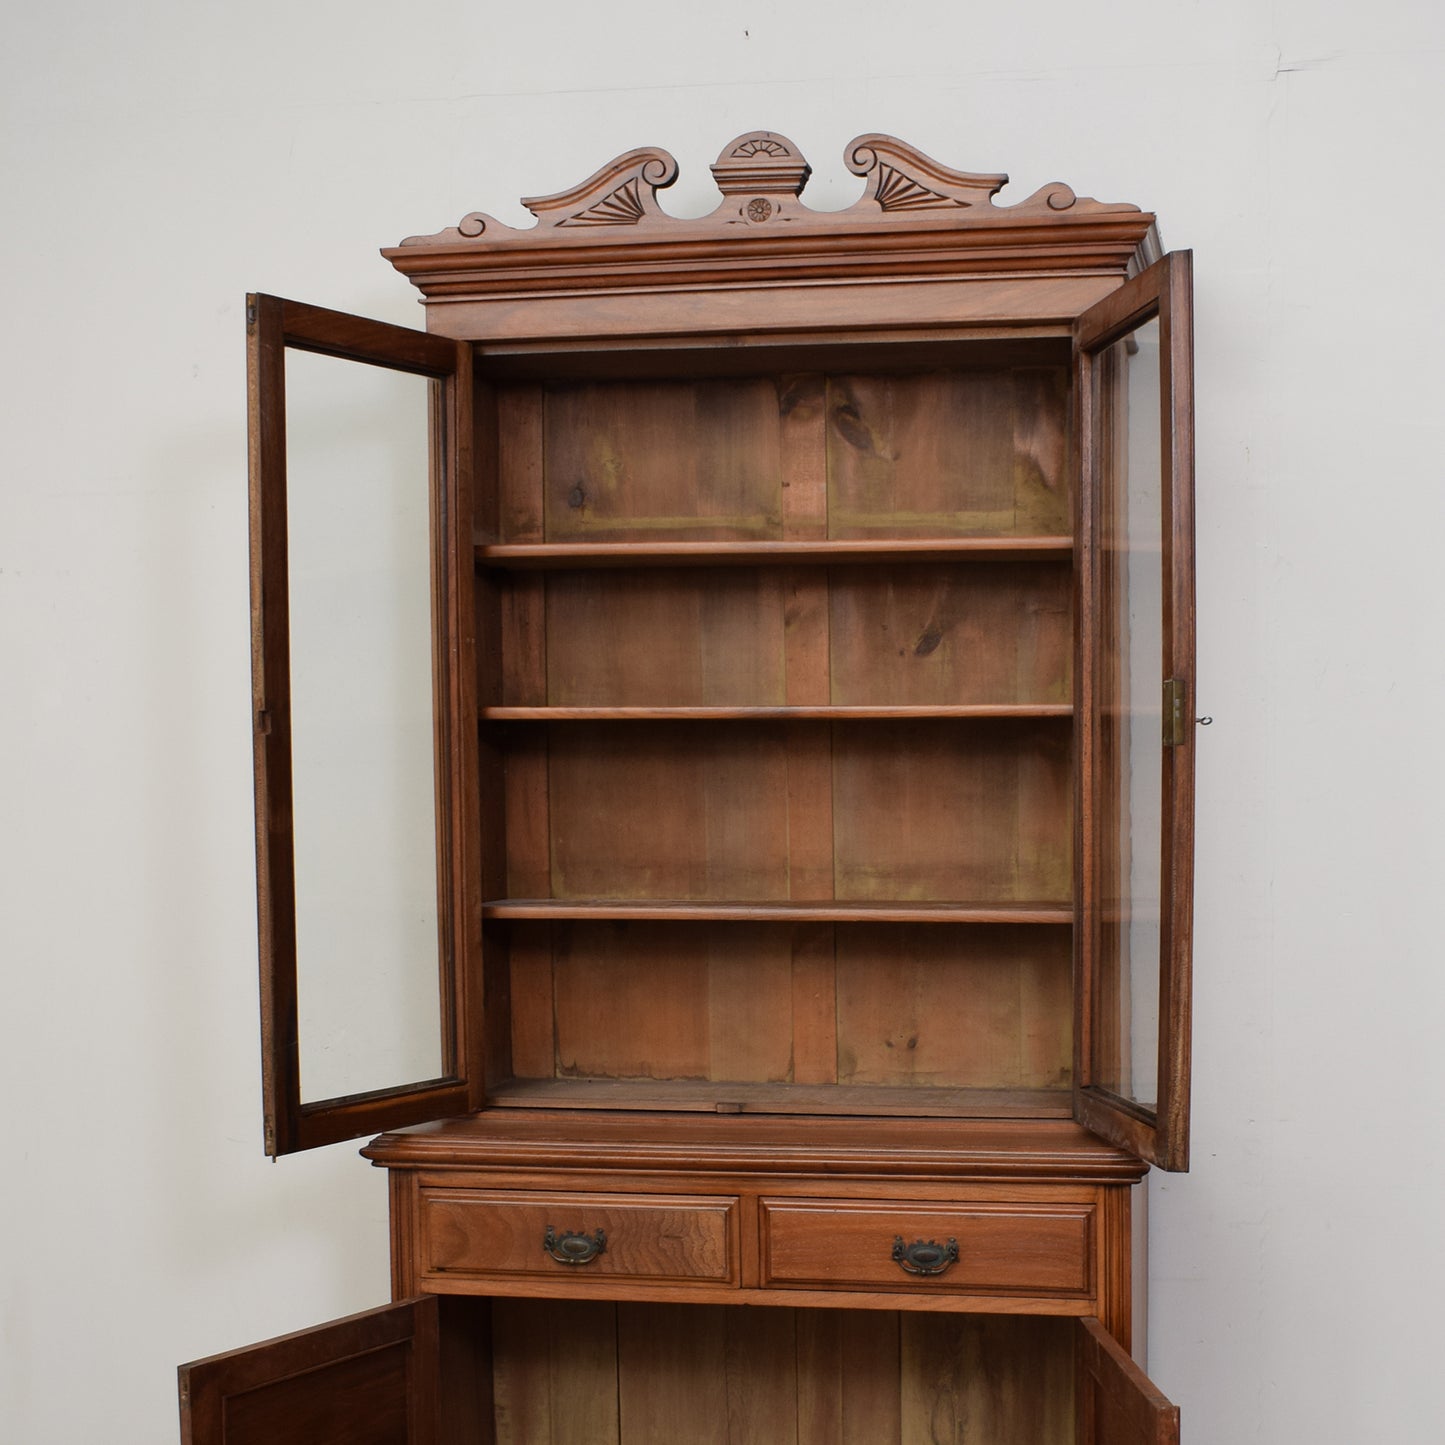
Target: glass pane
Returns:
[363, 738]
[1131, 686]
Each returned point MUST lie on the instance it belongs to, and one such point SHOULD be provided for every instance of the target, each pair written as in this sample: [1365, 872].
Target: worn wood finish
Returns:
[370, 1379]
[663, 461]
[946, 453]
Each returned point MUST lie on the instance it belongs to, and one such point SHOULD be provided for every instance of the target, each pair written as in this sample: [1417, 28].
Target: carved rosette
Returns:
[761, 176]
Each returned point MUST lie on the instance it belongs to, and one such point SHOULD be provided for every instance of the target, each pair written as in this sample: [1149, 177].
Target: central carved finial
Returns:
[761, 162]
[762, 174]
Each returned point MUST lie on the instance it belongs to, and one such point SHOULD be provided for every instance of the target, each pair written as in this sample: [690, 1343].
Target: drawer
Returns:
[578, 1237]
[1001, 1248]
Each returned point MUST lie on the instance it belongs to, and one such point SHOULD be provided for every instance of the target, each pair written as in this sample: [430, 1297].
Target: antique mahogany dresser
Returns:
[724, 766]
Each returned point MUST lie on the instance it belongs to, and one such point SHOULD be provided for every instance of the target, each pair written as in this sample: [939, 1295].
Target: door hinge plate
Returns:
[1175, 713]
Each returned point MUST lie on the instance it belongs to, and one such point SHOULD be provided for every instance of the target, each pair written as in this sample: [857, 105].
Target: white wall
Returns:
[162, 157]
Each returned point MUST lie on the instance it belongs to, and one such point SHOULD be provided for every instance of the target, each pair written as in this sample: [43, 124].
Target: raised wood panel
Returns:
[473, 1233]
[369, 1379]
[1001, 1249]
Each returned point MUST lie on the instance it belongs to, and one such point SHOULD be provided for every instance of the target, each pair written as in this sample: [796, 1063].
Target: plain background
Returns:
[160, 158]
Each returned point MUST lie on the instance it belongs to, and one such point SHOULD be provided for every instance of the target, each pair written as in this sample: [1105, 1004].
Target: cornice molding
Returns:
[916, 218]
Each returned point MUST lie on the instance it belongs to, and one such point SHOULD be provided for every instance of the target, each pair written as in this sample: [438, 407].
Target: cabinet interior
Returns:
[776, 694]
[602, 1373]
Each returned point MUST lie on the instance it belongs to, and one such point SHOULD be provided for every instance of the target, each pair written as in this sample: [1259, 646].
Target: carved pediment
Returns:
[761, 176]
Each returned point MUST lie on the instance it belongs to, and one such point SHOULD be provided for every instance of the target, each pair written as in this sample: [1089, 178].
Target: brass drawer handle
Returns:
[573, 1248]
[924, 1256]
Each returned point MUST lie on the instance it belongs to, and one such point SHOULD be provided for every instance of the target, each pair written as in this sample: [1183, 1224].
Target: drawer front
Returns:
[578, 1237]
[1000, 1248]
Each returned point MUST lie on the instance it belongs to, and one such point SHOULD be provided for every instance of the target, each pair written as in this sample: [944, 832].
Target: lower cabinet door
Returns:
[1115, 1402]
[369, 1379]
[520, 1371]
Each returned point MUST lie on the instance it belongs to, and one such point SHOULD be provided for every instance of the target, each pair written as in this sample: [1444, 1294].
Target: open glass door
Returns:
[1134, 354]
[362, 647]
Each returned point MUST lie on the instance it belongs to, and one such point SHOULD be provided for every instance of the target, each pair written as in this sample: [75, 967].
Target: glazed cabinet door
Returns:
[364, 720]
[369, 1379]
[1135, 681]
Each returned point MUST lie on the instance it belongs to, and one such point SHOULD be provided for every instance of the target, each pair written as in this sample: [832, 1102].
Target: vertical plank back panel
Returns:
[667, 460]
[987, 1380]
[930, 811]
[672, 1374]
[985, 1008]
[947, 453]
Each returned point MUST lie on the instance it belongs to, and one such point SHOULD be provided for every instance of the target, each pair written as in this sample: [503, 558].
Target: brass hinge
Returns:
[1175, 723]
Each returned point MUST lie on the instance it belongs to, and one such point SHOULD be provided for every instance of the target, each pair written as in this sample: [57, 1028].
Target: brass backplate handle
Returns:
[924, 1256]
[571, 1247]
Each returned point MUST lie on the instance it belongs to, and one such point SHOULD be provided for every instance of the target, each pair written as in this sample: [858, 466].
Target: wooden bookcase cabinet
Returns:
[812, 671]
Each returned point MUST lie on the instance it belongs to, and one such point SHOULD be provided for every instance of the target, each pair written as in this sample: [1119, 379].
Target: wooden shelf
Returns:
[811, 911]
[1052, 548]
[707, 1097]
[818, 714]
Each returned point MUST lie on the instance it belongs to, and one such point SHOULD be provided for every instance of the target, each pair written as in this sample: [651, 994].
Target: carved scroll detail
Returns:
[622, 193]
[907, 180]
